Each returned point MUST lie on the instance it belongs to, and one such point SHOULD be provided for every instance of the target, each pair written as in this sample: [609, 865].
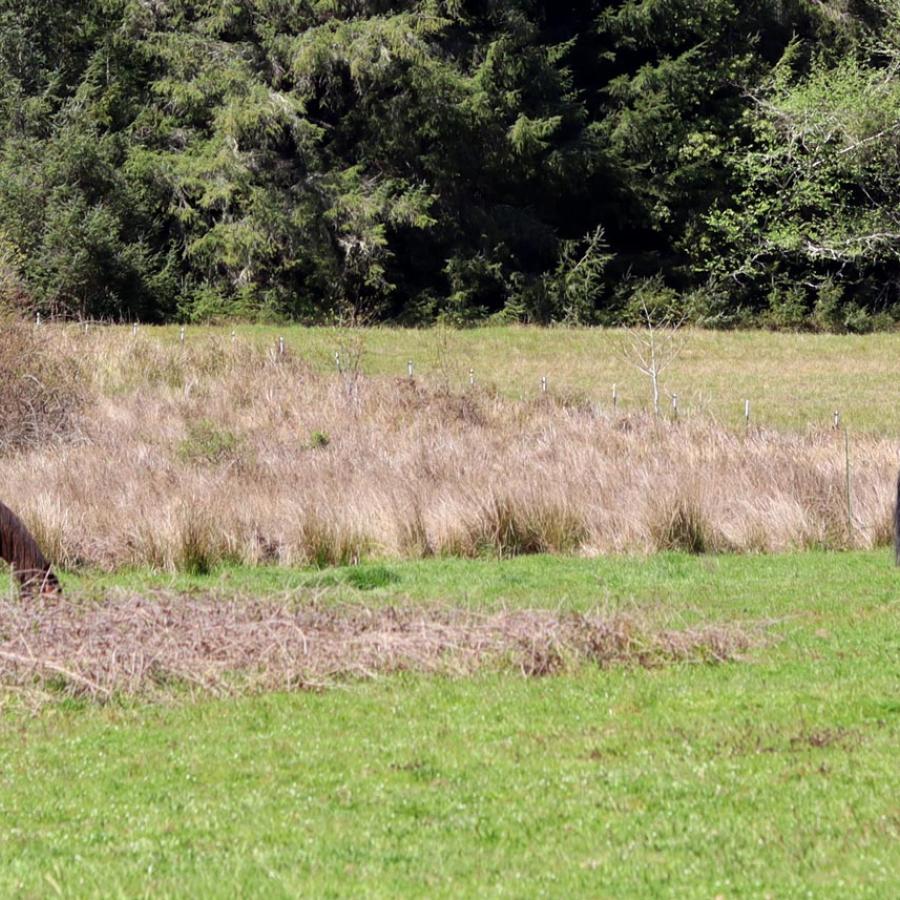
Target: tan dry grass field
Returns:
[186, 456]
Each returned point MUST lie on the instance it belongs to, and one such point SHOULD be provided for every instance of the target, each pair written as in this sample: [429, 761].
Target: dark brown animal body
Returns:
[30, 567]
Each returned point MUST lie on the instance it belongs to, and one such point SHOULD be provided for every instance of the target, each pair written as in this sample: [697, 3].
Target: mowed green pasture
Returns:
[793, 381]
[775, 775]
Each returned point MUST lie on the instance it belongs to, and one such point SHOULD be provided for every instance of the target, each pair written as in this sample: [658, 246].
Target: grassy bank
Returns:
[773, 774]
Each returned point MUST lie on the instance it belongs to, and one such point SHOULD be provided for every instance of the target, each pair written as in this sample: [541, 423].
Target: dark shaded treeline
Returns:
[560, 161]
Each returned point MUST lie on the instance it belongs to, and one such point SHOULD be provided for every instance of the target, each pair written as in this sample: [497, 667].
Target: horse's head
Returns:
[42, 584]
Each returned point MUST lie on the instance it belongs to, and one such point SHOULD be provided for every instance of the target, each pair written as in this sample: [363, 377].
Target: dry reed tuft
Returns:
[148, 647]
[680, 522]
[515, 524]
[40, 394]
[195, 455]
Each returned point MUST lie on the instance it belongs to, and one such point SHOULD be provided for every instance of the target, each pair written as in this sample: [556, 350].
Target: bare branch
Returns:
[654, 347]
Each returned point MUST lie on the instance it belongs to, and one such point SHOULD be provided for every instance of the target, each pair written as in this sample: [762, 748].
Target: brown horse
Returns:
[30, 567]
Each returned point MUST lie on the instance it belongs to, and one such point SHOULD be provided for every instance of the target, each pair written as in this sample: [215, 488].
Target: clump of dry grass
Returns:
[514, 524]
[680, 521]
[137, 646]
[40, 394]
[200, 454]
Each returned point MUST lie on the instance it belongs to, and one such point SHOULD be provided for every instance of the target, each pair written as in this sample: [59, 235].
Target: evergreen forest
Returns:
[729, 162]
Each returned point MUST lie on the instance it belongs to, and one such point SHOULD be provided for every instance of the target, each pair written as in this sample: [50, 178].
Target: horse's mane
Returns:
[30, 567]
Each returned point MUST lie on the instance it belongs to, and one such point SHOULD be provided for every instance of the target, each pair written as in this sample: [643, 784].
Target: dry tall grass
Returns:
[190, 456]
[39, 389]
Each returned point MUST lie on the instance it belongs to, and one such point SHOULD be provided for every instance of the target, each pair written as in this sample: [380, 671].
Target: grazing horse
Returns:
[30, 567]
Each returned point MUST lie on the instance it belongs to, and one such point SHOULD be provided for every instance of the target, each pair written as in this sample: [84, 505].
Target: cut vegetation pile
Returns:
[213, 452]
[138, 646]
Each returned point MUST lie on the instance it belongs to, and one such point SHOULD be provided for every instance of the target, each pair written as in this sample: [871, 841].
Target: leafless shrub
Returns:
[655, 345]
[138, 646]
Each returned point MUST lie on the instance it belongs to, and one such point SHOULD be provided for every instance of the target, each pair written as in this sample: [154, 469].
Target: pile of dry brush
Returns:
[150, 647]
[189, 456]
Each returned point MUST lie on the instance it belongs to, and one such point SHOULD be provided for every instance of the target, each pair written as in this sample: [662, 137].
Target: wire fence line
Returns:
[545, 385]
[746, 414]
[544, 382]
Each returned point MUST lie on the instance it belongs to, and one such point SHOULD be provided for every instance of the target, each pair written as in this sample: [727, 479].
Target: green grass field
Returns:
[775, 775]
[792, 380]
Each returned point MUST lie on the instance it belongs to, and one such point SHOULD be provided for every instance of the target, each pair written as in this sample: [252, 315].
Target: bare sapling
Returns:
[349, 356]
[448, 371]
[654, 346]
